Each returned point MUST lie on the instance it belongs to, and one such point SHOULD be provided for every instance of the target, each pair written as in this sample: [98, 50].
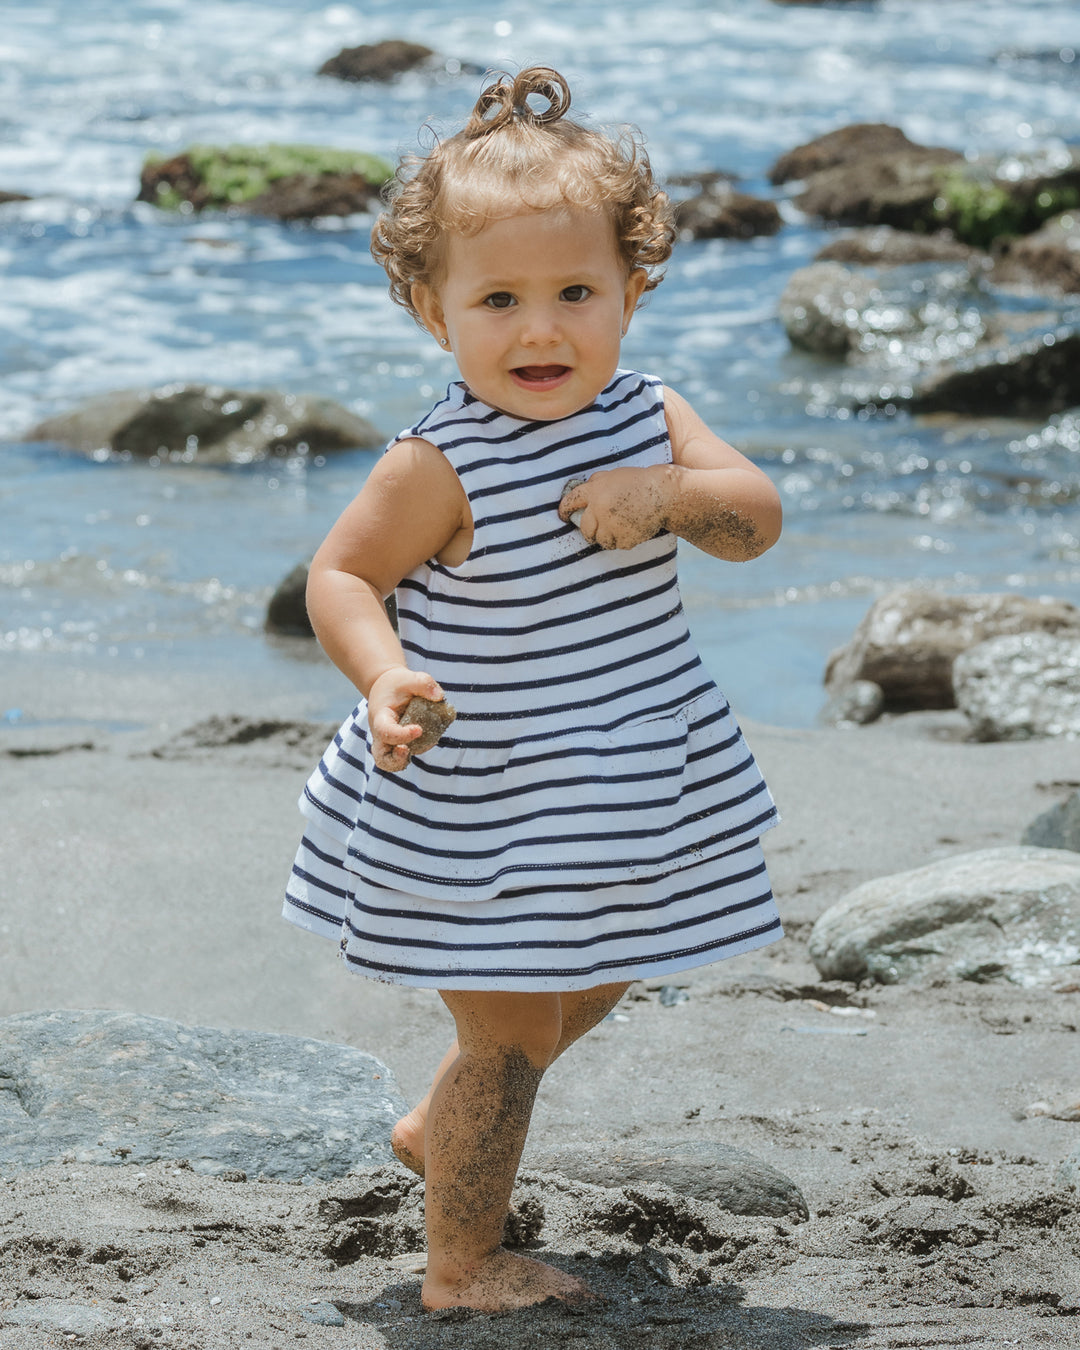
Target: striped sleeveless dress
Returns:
[593, 814]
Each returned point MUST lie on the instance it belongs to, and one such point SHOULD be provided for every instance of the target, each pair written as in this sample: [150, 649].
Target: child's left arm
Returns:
[709, 494]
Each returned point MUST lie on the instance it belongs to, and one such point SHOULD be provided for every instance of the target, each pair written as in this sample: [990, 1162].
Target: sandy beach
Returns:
[148, 826]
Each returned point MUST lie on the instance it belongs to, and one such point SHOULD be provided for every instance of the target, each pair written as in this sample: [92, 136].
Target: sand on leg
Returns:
[581, 1010]
[477, 1123]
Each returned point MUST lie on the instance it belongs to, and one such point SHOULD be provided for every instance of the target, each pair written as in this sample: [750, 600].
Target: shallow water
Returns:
[135, 563]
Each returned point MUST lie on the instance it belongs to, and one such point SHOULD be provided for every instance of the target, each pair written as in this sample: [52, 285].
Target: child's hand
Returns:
[387, 699]
[620, 508]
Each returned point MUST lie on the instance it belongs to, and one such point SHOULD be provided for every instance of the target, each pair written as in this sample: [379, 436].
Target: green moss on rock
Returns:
[212, 176]
[980, 209]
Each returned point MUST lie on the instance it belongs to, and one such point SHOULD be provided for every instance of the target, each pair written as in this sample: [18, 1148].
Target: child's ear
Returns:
[426, 302]
[635, 287]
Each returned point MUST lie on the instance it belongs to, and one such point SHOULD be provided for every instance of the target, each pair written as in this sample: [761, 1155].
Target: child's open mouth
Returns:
[539, 377]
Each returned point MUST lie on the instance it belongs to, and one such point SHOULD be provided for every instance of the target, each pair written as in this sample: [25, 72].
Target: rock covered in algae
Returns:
[432, 718]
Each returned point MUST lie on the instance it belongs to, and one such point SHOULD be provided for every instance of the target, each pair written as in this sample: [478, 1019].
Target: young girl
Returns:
[592, 815]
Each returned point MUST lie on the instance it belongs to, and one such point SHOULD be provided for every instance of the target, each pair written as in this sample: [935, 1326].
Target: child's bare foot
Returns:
[505, 1281]
[407, 1141]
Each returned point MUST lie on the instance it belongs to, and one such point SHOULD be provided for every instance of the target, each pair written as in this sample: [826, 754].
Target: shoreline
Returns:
[143, 871]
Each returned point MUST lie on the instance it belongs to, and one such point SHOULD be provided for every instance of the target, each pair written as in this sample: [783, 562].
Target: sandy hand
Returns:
[392, 738]
[618, 508]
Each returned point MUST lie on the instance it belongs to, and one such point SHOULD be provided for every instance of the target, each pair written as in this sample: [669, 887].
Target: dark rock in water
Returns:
[725, 214]
[1020, 686]
[860, 140]
[1057, 828]
[307, 196]
[6, 197]
[854, 704]
[106, 1087]
[287, 611]
[931, 190]
[931, 335]
[820, 2]
[882, 246]
[909, 639]
[293, 182]
[1008, 913]
[895, 188]
[208, 425]
[1049, 258]
[729, 1177]
[376, 61]
[1037, 375]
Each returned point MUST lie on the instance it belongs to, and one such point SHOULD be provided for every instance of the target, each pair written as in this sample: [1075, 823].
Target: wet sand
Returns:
[148, 827]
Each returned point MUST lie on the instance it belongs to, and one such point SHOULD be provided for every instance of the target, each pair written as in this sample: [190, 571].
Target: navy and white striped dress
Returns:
[593, 813]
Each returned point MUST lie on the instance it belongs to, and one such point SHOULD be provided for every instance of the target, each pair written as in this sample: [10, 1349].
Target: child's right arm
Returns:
[411, 508]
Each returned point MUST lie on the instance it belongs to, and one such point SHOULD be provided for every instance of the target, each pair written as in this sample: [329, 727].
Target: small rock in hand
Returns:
[569, 486]
[432, 718]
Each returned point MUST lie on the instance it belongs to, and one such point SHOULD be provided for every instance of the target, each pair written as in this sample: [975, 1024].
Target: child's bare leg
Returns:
[581, 1011]
[407, 1137]
[477, 1123]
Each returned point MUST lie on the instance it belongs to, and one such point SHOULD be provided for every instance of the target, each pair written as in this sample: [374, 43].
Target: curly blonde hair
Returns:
[509, 158]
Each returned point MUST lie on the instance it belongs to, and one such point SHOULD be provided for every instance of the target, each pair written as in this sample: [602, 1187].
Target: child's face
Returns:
[534, 307]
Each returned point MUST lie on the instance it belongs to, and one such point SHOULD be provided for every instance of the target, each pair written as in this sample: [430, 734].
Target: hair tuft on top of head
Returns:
[509, 100]
[513, 156]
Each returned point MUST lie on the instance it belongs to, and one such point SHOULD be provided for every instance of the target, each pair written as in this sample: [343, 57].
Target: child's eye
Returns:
[576, 293]
[500, 300]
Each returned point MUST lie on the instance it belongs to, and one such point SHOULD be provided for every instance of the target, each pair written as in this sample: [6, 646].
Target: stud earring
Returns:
[444, 342]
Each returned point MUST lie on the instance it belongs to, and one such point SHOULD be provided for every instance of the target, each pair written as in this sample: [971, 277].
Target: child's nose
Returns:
[540, 327]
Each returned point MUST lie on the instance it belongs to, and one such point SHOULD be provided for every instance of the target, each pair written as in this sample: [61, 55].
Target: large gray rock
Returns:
[909, 639]
[729, 1177]
[207, 425]
[822, 307]
[1008, 913]
[1057, 828]
[1021, 686]
[863, 314]
[107, 1087]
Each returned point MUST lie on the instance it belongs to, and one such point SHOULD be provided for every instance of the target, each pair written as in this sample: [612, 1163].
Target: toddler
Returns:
[592, 815]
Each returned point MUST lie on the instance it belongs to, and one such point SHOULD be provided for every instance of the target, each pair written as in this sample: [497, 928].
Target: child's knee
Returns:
[501, 1023]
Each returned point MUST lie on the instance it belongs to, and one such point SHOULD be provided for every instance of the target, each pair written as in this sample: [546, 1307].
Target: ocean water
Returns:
[137, 565]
